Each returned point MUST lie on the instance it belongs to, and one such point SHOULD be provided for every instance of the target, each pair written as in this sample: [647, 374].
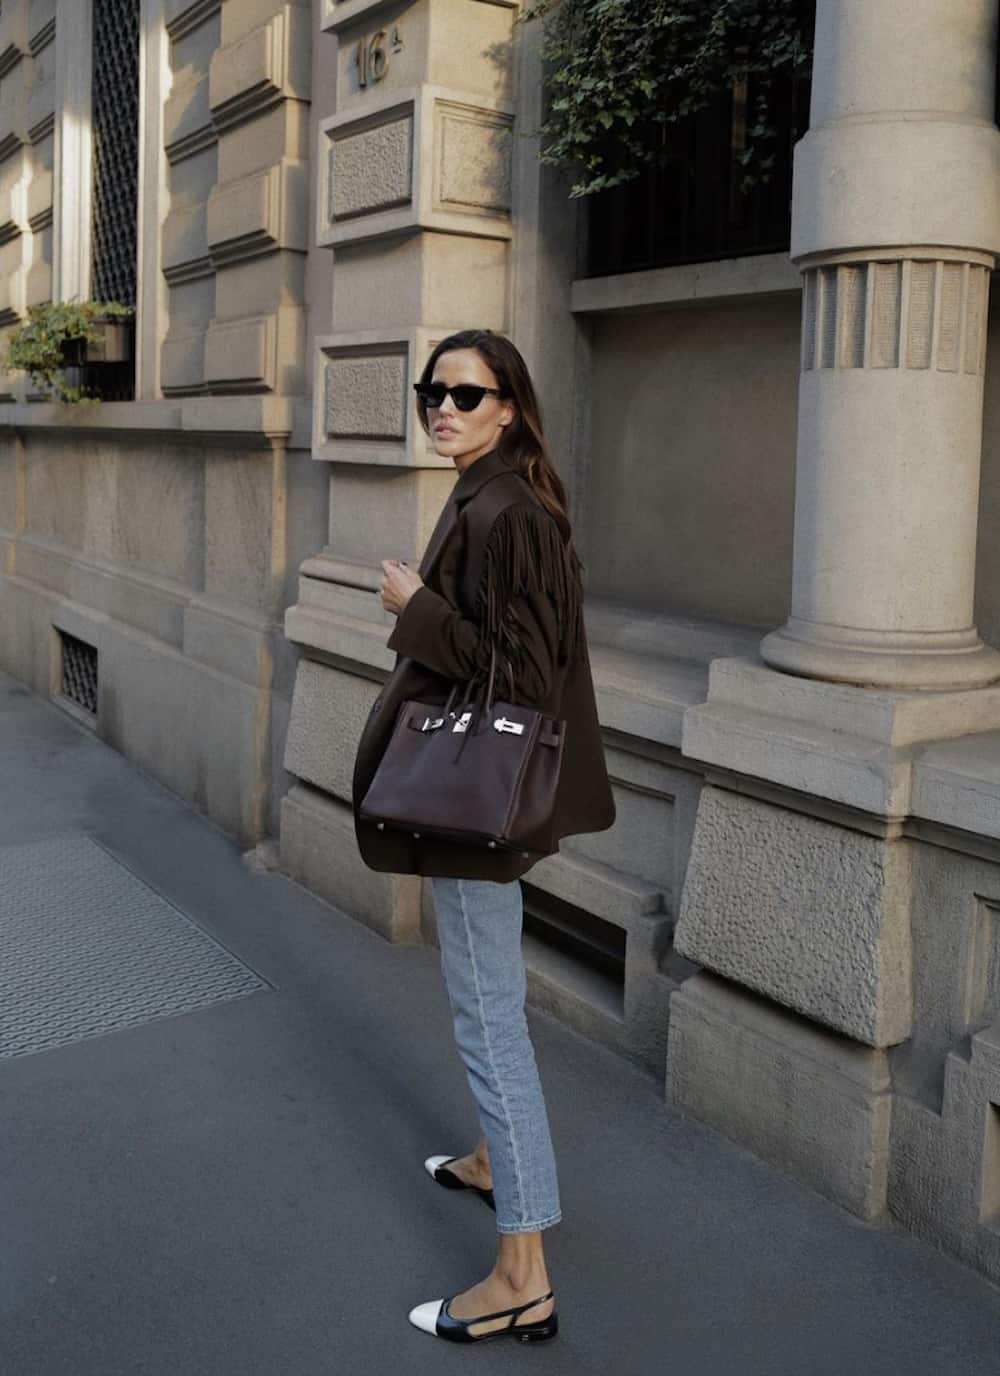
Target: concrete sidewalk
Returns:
[239, 1190]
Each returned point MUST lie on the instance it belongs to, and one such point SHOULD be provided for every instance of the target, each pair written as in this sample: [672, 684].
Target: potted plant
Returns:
[83, 336]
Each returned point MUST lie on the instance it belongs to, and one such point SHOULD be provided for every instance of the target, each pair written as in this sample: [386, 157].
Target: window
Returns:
[115, 132]
[692, 209]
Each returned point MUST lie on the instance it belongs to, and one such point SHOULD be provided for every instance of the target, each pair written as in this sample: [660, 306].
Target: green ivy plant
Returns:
[36, 346]
[618, 71]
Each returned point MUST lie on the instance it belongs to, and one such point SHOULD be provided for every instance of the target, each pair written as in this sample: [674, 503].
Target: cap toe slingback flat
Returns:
[433, 1317]
[437, 1168]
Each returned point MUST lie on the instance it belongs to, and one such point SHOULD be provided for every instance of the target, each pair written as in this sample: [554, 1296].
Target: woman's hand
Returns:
[398, 585]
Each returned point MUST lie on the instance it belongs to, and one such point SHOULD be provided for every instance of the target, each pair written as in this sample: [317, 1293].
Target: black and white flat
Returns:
[437, 1168]
[434, 1318]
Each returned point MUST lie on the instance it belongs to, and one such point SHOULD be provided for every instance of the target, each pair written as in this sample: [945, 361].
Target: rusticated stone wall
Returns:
[235, 239]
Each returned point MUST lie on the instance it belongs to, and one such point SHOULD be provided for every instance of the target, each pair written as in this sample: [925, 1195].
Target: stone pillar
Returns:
[413, 199]
[807, 874]
[896, 224]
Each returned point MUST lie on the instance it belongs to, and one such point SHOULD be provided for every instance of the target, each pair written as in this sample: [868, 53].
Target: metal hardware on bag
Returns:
[463, 722]
[432, 723]
[416, 836]
[516, 728]
[492, 845]
[381, 826]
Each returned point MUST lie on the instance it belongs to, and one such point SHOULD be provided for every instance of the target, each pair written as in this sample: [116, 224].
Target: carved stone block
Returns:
[187, 119]
[14, 25]
[473, 159]
[242, 354]
[185, 244]
[15, 87]
[259, 213]
[806, 912]
[271, 62]
[366, 397]
[363, 410]
[41, 24]
[184, 16]
[432, 162]
[371, 169]
[338, 13]
[182, 362]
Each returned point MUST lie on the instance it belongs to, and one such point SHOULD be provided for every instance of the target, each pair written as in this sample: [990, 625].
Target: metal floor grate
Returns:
[86, 948]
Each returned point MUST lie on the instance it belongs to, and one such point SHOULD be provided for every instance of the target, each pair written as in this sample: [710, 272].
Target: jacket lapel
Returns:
[469, 483]
[439, 536]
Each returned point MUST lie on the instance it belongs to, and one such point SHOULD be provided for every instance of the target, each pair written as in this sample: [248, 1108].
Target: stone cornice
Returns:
[190, 17]
[42, 38]
[190, 144]
[194, 271]
[42, 129]
[264, 418]
[9, 59]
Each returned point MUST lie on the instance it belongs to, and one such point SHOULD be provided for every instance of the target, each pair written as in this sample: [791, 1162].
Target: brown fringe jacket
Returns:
[507, 578]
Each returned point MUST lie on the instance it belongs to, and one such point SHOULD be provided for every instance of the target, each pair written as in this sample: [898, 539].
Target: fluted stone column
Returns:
[896, 224]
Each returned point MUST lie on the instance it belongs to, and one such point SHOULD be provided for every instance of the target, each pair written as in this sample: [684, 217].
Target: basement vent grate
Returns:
[87, 948]
[79, 672]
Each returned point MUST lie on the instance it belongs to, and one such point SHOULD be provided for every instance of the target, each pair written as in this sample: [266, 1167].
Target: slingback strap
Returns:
[511, 1314]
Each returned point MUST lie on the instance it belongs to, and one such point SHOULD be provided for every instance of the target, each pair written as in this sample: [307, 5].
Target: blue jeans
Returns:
[479, 931]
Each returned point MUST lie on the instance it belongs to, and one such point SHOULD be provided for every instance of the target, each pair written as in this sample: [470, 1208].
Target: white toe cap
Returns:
[432, 1163]
[425, 1316]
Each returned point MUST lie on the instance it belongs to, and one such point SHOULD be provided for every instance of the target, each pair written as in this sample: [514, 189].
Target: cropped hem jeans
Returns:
[479, 931]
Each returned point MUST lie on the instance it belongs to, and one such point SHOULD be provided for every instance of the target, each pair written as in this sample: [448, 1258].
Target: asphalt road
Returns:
[239, 1190]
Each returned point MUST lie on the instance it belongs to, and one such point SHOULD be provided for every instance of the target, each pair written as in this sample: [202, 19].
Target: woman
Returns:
[500, 568]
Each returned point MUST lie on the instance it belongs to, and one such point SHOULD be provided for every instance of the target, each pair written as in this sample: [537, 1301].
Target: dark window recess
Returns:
[692, 208]
[591, 941]
[115, 119]
[79, 672]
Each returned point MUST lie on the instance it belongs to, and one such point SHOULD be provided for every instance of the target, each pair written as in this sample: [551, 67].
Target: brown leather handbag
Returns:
[481, 775]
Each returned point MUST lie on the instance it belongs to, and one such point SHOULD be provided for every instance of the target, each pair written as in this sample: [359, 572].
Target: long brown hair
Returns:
[522, 444]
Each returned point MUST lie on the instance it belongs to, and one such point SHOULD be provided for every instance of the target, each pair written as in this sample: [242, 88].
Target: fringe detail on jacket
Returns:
[525, 553]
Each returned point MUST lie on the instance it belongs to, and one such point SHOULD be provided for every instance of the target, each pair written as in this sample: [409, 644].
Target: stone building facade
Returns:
[784, 474]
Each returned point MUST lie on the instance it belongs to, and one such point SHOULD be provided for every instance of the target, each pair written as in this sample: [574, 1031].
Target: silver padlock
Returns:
[381, 826]
[416, 836]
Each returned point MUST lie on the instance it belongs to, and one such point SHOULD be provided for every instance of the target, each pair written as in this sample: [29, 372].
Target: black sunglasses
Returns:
[465, 396]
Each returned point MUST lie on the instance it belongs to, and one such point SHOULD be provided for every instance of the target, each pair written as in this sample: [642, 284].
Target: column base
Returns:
[870, 659]
[851, 745]
[813, 1103]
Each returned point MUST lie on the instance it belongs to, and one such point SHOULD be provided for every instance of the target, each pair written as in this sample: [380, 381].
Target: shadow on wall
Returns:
[988, 550]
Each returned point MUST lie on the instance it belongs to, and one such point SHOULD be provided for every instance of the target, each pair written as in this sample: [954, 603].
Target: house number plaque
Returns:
[373, 53]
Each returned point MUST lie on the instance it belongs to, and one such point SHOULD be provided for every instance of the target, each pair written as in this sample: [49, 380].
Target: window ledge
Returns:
[649, 669]
[728, 279]
[271, 417]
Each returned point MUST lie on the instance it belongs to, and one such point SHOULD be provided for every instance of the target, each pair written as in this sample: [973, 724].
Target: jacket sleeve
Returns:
[528, 602]
[433, 633]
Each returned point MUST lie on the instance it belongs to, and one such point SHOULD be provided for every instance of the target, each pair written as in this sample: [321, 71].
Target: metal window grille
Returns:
[115, 119]
[79, 672]
[692, 208]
